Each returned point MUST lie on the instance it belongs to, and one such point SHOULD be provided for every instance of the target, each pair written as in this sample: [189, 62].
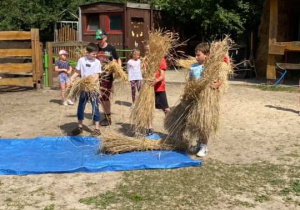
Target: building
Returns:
[126, 24]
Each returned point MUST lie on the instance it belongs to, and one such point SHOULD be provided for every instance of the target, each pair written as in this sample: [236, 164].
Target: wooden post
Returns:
[36, 59]
[271, 72]
[50, 63]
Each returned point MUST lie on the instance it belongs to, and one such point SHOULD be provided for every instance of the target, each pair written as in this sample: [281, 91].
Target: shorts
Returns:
[161, 101]
[63, 78]
[106, 89]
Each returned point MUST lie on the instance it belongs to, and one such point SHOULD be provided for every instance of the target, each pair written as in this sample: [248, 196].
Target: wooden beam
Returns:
[14, 35]
[15, 52]
[16, 68]
[276, 49]
[20, 81]
[36, 52]
[69, 44]
[289, 66]
[49, 46]
[271, 72]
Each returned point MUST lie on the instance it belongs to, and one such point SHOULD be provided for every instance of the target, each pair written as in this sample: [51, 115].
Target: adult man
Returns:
[106, 53]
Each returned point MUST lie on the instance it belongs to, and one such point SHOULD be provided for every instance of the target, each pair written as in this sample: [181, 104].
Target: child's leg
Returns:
[95, 111]
[132, 84]
[62, 91]
[81, 106]
[139, 85]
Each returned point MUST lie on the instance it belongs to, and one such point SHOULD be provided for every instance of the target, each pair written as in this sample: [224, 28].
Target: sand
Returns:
[255, 126]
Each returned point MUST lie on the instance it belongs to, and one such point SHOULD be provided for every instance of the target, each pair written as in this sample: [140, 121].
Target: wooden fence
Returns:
[21, 74]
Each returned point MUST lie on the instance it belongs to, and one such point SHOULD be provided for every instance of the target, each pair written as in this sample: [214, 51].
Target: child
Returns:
[159, 84]
[134, 72]
[196, 73]
[88, 66]
[64, 68]
[106, 53]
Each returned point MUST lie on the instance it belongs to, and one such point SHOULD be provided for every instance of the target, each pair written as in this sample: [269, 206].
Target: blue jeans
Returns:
[95, 106]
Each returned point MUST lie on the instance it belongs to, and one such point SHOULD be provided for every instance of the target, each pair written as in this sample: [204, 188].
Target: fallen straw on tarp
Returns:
[114, 143]
[197, 114]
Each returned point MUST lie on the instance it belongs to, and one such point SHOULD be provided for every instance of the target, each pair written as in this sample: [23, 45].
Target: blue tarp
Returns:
[79, 154]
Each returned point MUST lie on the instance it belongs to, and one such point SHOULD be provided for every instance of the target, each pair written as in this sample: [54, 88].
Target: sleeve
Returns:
[163, 64]
[114, 53]
[78, 64]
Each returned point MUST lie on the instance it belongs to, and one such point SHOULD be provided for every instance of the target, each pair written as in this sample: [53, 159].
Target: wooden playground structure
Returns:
[12, 68]
[278, 48]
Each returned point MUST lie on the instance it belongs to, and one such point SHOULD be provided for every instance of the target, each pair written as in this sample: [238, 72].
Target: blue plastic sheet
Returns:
[79, 154]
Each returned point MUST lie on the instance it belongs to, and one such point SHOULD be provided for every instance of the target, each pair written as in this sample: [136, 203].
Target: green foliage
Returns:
[210, 18]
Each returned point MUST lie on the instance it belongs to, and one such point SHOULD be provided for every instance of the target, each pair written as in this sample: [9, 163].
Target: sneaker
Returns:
[149, 132]
[96, 132]
[203, 150]
[77, 131]
[105, 122]
[70, 102]
[65, 103]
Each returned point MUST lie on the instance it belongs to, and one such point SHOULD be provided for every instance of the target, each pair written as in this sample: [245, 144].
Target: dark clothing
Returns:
[105, 55]
[106, 89]
[161, 101]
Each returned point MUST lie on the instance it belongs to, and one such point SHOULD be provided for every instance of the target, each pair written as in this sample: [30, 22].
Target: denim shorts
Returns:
[63, 78]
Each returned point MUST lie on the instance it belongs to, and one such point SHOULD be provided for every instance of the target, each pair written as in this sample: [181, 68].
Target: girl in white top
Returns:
[134, 72]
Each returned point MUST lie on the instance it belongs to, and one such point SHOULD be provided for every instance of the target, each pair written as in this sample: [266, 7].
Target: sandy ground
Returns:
[255, 126]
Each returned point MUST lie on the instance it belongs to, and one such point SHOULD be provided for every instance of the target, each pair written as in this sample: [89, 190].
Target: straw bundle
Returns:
[197, 116]
[117, 71]
[115, 143]
[186, 63]
[87, 84]
[160, 43]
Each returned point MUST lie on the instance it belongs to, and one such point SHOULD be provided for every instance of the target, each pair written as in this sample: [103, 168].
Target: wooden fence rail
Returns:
[21, 74]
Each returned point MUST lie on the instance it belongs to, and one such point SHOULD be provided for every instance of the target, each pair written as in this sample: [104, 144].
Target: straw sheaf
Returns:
[87, 84]
[160, 43]
[117, 71]
[114, 143]
[198, 113]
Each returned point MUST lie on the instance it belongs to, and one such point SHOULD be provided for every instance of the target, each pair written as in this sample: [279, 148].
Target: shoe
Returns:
[106, 121]
[65, 103]
[77, 131]
[70, 102]
[96, 132]
[203, 150]
[149, 132]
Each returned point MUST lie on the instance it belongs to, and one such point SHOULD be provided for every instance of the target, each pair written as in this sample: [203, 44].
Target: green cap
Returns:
[100, 34]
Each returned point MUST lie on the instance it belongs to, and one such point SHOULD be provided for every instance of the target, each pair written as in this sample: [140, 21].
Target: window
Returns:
[114, 23]
[92, 22]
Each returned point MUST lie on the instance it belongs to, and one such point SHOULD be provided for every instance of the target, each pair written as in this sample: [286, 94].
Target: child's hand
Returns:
[215, 85]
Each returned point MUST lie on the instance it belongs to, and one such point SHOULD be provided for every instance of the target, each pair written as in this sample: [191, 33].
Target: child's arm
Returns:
[70, 70]
[160, 78]
[76, 74]
[96, 77]
[58, 69]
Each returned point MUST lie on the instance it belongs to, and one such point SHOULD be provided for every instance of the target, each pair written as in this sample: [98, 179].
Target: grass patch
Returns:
[277, 88]
[200, 187]
[50, 207]
[88, 184]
